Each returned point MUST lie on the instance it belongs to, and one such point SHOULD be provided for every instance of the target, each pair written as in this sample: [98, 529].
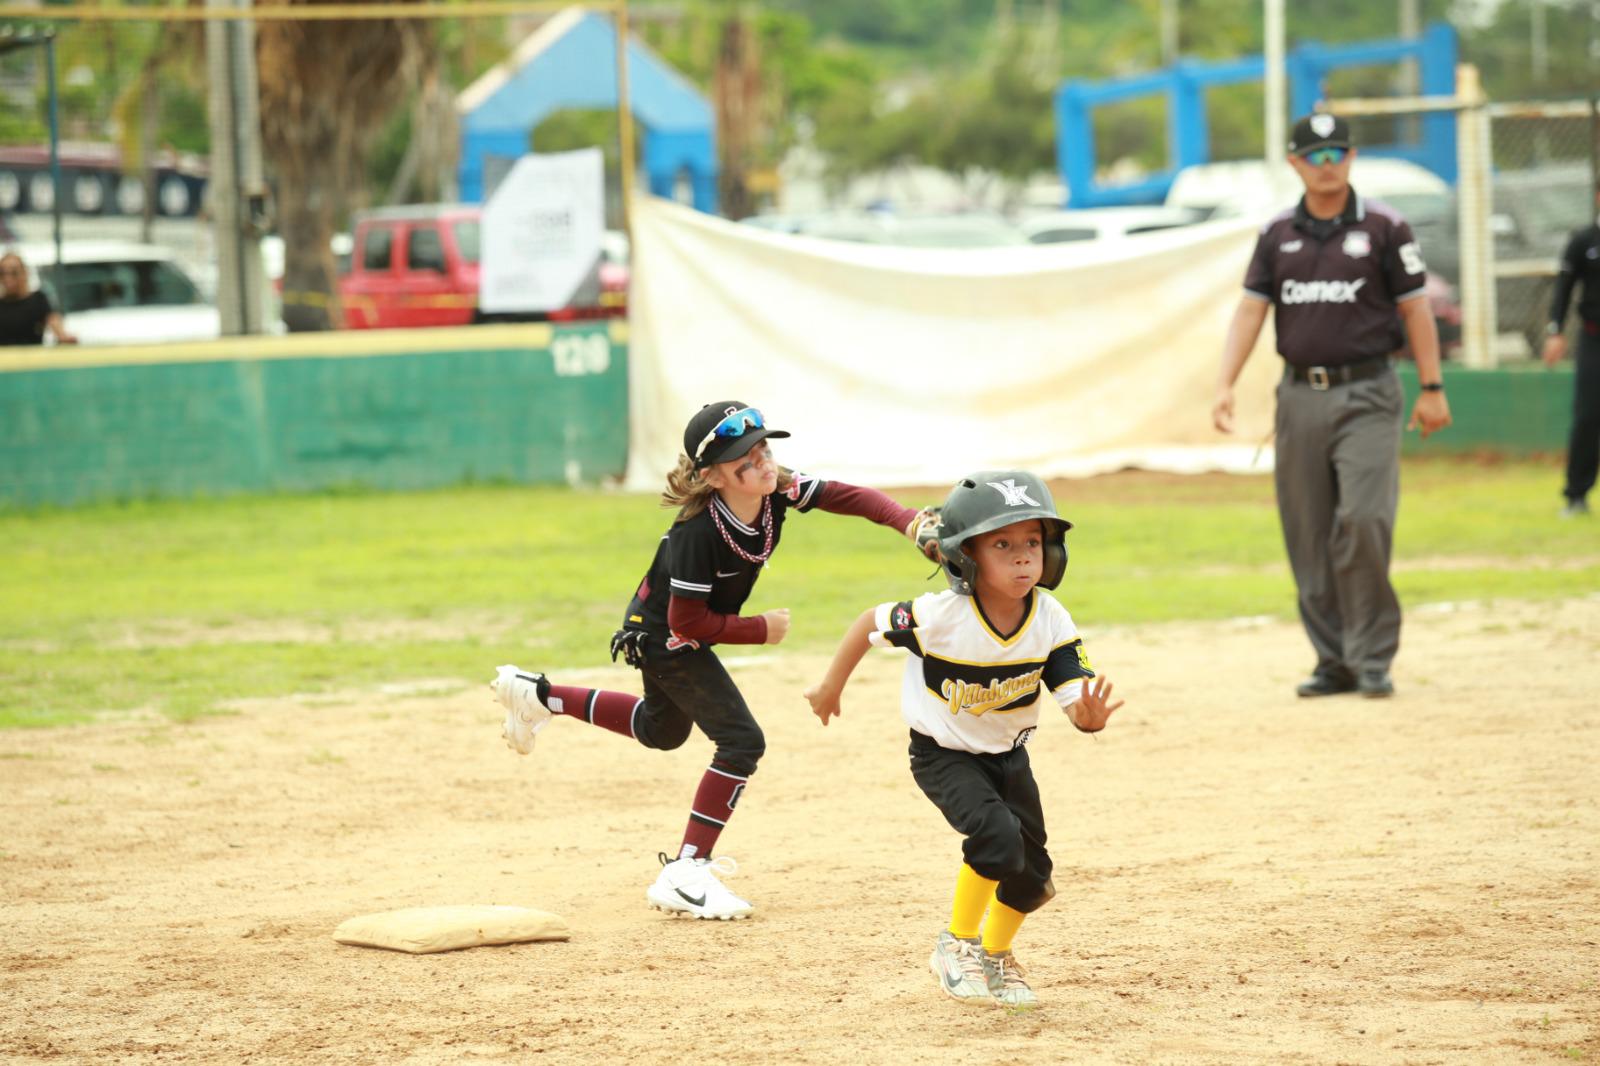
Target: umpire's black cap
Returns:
[725, 430]
[1319, 131]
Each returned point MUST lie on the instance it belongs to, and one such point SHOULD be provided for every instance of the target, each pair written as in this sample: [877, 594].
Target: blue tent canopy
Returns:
[570, 62]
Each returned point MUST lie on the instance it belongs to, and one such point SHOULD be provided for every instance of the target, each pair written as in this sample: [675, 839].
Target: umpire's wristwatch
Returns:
[1432, 386]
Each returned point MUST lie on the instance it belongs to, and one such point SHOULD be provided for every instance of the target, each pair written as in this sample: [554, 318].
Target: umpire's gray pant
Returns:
[1338, 482]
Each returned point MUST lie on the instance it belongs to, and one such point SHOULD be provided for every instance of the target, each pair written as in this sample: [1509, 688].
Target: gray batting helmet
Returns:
[987, 500]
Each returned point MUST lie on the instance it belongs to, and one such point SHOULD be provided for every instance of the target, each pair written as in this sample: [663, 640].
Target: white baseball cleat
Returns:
[523, 695]
[957, 965]
[690, 886]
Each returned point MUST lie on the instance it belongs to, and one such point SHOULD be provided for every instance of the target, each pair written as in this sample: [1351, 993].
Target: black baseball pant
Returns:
[692, 688]
[992, 801]
[1583, 447]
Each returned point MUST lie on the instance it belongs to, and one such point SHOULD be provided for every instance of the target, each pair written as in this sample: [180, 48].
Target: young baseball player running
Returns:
[979, 653]
[732, 499]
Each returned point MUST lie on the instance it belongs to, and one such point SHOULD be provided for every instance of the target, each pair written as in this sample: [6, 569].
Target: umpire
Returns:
[1580, 263]
[1346, 280]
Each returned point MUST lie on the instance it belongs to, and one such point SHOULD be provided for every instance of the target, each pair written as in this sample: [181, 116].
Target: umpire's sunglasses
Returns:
[1318, 156]
[732, 426]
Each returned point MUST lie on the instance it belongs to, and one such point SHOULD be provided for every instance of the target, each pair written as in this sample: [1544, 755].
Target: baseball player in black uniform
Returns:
[732, 501]
[1345, 279]
[1580, 263]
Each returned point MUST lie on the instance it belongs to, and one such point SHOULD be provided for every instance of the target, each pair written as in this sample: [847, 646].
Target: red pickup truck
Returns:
[418, 266]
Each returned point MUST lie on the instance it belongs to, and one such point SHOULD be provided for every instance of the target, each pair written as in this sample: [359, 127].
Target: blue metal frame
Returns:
[1184, 84]
[579, 70]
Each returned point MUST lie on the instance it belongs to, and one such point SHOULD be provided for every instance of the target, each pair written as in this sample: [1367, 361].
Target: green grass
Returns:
[177, 607]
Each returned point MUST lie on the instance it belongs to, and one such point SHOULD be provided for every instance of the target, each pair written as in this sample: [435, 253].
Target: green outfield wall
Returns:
[411, 409]
[381, 409]
[1518, 410]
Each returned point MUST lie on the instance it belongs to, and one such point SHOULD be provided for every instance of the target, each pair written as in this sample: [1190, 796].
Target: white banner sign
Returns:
[541, 232]
[915, 366]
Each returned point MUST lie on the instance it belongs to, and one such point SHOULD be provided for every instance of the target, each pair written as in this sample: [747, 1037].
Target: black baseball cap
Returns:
[1319, 131]
[725, 430]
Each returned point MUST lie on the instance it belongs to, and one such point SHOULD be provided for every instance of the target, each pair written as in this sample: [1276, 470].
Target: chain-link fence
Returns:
[1543, 188]
[1526, 177]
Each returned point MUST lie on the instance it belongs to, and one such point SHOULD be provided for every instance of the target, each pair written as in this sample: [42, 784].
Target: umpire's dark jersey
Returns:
[1334, 283]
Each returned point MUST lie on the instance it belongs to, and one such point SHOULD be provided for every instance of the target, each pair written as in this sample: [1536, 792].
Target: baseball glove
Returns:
[628, 643]
[925, 530]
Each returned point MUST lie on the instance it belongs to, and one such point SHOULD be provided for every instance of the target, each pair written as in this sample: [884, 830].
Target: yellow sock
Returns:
[973, 893]
[1000, 929]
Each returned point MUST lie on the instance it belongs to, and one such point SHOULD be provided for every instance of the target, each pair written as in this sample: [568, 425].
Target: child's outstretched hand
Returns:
[1094, 706]
[824, 704]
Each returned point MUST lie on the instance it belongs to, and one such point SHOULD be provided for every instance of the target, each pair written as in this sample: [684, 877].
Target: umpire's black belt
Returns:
[1322, 377]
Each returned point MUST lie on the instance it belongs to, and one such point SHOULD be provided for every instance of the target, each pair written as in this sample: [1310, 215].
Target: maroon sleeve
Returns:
[841, 498]
[694, 620]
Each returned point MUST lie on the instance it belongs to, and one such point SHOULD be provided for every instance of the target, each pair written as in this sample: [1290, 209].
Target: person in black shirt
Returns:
[732, 501]
[1580, 264]
[1346, 281]
[25, 314]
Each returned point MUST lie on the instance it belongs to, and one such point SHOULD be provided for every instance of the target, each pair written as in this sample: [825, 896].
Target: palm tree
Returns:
[326, 89]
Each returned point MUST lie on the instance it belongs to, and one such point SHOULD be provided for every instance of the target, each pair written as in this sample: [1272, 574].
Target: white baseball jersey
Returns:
[967, 686]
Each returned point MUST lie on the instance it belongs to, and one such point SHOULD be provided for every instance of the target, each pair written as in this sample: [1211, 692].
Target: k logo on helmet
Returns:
[1015, 495]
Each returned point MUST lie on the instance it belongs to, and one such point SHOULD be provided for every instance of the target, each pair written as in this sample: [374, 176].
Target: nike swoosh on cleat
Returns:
[734, 573]
[701, 902]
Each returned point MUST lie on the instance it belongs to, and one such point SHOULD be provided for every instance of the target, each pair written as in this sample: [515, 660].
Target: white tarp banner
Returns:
[910, 366]
[540, 234]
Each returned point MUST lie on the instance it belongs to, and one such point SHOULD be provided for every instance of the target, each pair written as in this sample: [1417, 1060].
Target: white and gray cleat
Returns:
[957, 965]
[1006, 981]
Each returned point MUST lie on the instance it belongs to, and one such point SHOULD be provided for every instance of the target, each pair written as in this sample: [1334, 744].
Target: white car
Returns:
[1103, 223]
[1247, 188]
[120, 292]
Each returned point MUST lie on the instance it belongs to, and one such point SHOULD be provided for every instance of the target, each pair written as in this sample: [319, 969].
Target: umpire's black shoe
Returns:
[1325, 685]
[1375, 685]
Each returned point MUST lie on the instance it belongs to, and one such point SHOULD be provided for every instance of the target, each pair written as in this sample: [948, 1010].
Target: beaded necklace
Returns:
[727, 537]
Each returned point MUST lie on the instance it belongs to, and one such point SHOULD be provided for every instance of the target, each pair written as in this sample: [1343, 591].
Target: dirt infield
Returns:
[1243, 877]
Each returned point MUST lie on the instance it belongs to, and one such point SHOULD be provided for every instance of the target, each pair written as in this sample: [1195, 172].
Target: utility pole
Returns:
[1539, 46]
[624, 117]
[236, 188]
[1410, 76]
[1169, 32]
[1275, 86]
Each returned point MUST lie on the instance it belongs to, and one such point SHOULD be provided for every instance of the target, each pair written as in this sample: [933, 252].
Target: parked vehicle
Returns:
[1247, 187]
[1534, 212]
[1104, 223]
[419, 266]
[120, 292]
[947, 230]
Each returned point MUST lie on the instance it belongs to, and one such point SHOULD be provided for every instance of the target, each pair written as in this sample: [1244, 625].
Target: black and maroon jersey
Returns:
[1334, 283]
[1580, 264]
[713, 557]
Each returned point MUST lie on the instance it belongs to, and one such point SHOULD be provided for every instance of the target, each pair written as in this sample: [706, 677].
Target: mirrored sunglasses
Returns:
[1318, 156]
[733, 426]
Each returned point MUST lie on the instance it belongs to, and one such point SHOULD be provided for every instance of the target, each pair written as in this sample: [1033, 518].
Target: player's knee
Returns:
[996, 848]
[742, 753]
[1027, 898]
[665, 736]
